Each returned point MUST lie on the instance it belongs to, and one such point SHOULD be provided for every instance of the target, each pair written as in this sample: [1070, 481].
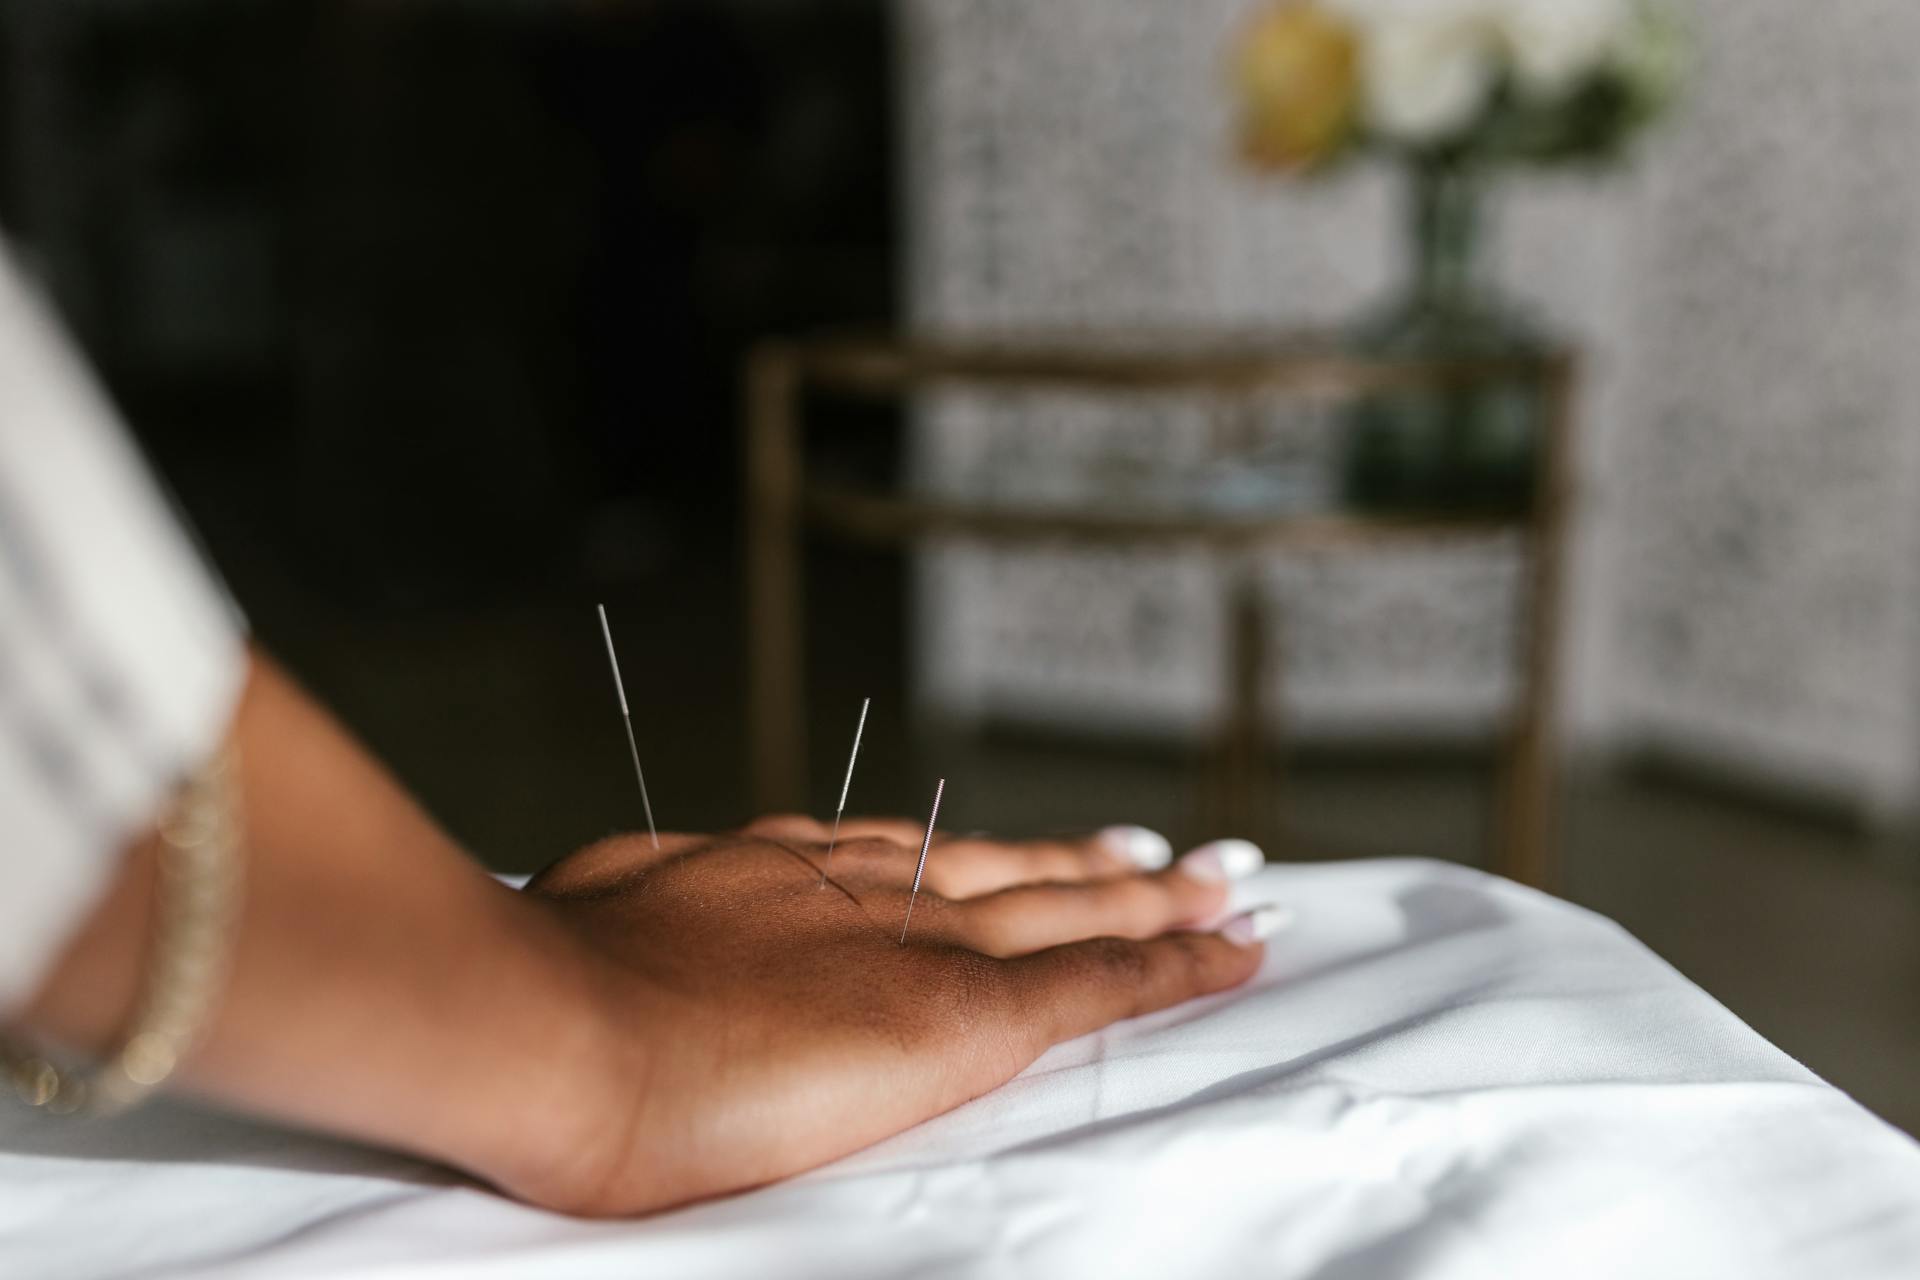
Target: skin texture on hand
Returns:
[777, 1025]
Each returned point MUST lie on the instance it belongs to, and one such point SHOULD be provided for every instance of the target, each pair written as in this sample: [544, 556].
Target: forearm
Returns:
[380, 984]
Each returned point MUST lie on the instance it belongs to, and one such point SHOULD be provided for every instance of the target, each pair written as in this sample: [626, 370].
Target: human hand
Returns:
[759, 1024]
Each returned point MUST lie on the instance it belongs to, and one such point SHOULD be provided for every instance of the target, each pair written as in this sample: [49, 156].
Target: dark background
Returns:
[433, 316]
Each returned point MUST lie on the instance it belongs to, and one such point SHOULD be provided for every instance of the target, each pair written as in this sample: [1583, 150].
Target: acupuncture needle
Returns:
[626, 716]
[844, 785]
[921, 869]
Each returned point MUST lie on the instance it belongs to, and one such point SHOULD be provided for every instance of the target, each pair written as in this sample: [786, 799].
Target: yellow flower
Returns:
[1296, 75]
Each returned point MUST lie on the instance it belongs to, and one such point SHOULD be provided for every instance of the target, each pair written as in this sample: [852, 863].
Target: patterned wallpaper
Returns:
[1744, 571]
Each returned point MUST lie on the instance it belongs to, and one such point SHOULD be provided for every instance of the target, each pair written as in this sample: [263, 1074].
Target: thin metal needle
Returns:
[919, 870]
[626, 717]
[853, 755]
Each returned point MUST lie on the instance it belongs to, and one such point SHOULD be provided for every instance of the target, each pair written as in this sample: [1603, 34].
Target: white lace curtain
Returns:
[1745, 571]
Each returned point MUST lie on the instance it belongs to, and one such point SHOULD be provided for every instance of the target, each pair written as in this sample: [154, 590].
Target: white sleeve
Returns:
[121, 656]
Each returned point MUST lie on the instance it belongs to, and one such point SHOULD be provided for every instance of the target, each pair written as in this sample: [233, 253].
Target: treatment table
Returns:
[1437, 1074]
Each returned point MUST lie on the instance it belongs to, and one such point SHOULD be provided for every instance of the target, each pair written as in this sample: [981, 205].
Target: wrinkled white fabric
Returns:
[1437, 1074]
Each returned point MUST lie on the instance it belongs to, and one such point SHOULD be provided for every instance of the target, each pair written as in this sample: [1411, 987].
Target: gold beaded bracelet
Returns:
[196, 898]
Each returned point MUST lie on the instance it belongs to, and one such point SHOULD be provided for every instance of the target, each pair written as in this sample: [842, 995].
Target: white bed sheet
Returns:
[1437, 1074]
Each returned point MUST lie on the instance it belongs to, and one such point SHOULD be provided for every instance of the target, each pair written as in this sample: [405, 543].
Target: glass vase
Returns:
[1467, 449]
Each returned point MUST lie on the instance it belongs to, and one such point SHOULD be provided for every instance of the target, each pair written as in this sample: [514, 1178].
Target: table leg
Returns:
[775, 608]
[1526, 842]
[1244, 800]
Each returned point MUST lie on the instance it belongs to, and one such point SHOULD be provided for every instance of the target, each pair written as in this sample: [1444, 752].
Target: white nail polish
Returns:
[1224, 860]
[1256, 925]
[1145, 849]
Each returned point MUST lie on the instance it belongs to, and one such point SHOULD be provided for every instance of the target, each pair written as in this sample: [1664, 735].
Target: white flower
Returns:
[1429, 68]
[1557, 44]
[1652, 54]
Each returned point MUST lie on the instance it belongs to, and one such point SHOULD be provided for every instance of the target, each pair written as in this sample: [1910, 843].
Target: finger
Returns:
[898, 830]
[1031, 917]
[1034, 917]
[1077, 989]
[867, 863]
[793, 828]
[968, 868]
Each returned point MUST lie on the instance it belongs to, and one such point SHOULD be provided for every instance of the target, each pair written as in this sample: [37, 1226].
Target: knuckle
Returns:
[1070, 865]
[1191, 955]
[778, 823]
[1097, 856]
[1194, 905]
[989, 927]
[1117, 961]
[980, 1006]
[952, 996]
[1186, 949]
[1133, 904]
[976, 977]
[977, 855]
[867, 850]
[587, 868]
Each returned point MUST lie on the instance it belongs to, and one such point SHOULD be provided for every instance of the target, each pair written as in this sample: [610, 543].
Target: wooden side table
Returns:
[782, 505]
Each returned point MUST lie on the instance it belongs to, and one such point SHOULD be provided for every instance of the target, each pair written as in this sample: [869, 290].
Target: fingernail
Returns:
[1256, 925]
[1145, 849]
[1224, 860]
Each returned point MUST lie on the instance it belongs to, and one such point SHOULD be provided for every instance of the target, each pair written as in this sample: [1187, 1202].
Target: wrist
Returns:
[562, 1103]
[451, 1029]
[90, 991]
